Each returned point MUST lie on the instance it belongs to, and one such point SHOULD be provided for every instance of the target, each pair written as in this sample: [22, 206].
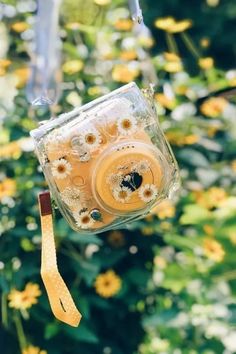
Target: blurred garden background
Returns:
[167, 284]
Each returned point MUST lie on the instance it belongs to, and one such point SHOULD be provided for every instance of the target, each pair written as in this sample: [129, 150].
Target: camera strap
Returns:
[62, 304]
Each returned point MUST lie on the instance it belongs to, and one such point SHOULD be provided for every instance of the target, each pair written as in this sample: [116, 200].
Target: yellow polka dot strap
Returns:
[60, 299]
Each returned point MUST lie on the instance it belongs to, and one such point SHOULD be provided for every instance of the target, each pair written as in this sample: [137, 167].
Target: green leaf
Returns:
[138, 276]
[180, 241]
[194, 214]
[51, 330]
[193, 157]
[160, 318]
[81, 334]
[84, 239]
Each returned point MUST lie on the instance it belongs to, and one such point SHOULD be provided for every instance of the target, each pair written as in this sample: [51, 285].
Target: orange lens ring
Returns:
[109, 165]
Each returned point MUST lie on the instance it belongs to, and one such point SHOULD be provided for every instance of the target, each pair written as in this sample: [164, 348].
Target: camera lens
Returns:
[128, 177]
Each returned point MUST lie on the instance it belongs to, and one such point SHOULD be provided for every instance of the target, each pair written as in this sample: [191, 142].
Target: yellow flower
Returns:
[171, 56]
[180, 26]
[165, 101]
[164, 210]
[123, 73]
[212, 3]
[178, 138]
[209, 230]
[173, 67]
[7, 188]
[107, 284]
[212, 130]
[123, 24]
[213, 107]
[102, 2]
[169, 24]
[146, 41]
[181, 89]
[116, 238]
[2, 72]
[160, 262]
[232, 82]
[22, 300]
[33, 350]
[72, 66]
[205, 42]
[20, 26]
[213, 250]
[73, 26]
[147, 231]
[212, 198]
[94, 91]
[128, 55]
[4, 64]
[11, 150]
[165, 225]
[149, 218]
[22, 75]
[190, 139]
[206, 63]
[164, 23]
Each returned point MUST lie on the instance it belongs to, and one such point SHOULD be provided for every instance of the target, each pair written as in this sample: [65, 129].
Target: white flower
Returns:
[127, 125]
[216, 329]
[122, 194]
[90, 139]
[148, 193]
[183, 111]
[141, 167]
[71, 196]
[115, 179]
[61, 168]
[230, 342]
[159, 345]
[83, 220]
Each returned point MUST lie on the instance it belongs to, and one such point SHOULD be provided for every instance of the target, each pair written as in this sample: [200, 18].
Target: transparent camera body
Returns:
[107, 163]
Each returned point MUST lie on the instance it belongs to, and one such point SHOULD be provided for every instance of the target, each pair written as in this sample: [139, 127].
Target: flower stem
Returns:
[171, 43]
[231, 275]
[4, 310]
[20, 330]
[190, 45]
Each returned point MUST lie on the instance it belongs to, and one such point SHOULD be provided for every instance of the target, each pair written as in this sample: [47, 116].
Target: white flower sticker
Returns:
[83, 220]
[141, 167]
[122, 194]
[61, 168]
[148, 193]
[115, 179]
[127, 125]
[72, 196]
[90, 139]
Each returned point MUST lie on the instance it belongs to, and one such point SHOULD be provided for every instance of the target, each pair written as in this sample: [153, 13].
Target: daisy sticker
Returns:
[71, 196]
[61, 168]
[141, 167]
[122, 194]
[83, 220]
[90, 139]
[115, 179]
[127, 125]
[148, 193]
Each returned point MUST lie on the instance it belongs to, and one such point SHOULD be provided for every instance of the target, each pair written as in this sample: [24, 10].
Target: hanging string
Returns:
[141, 31]
[43, 85]
[135, 10]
